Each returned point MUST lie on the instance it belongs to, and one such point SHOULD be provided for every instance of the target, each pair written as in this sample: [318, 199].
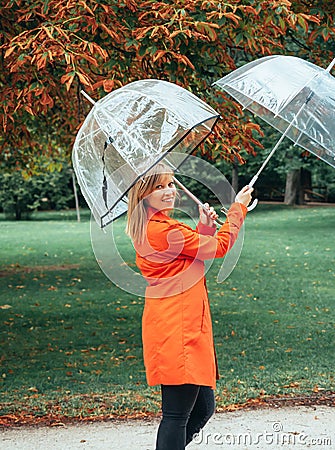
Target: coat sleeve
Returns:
[182, 240]
[205, 229]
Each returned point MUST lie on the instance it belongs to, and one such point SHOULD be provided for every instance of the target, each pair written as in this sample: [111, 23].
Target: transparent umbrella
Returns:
[129, 131]
[294, 96]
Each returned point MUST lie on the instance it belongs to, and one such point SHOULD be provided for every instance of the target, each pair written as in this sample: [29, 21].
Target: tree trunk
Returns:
[306, 183]
[75, 194]
[17, 208]
[234, 180]
[292, 187]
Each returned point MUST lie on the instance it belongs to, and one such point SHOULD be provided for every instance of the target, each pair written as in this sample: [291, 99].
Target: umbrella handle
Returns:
[251, 184]
[253, 205]
[194, 198]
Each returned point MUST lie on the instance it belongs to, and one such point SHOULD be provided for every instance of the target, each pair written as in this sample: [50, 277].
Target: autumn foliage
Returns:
[52, 49]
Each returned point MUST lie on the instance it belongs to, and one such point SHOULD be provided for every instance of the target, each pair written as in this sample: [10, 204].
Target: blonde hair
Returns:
[137, 213]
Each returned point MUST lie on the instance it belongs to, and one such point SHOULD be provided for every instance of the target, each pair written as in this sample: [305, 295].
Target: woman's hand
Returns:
[244, 196]
[207, 217]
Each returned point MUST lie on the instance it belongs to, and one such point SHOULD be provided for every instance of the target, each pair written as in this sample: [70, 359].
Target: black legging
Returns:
[186, 409]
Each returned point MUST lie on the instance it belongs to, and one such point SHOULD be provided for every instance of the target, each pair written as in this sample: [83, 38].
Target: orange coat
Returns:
[176, 325]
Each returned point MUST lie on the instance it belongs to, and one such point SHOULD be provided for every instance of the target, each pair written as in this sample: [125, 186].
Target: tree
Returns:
[20, 196]
[51, 50]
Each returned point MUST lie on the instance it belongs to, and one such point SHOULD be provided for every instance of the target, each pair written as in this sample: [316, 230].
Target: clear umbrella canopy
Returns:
[127, 132]
[293, 95]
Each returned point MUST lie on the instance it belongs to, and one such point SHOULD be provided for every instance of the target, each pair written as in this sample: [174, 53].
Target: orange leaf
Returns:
[46, 99]
[108, 85]
[159, 54]
[233, 17]
[106, 8]
[67, 79]
[9, 51]
[96, 48]
[67, 58]
[84, 79]
[97, 84]
[111, 33]
[235, 139]
[142, 32]
[187, 32]
[41, 61]
[310, 18]
[132, 5]
[47, 31]
[28, 108]
[249, 9]
[83, 4]
[90, 59]
[185, 60]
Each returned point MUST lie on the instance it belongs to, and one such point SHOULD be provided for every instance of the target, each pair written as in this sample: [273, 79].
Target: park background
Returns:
[70, 339]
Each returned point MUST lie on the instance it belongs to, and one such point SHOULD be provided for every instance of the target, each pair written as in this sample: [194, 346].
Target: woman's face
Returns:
[163, 196]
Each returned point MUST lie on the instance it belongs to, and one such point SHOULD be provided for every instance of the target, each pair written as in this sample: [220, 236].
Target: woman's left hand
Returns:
[207, 217]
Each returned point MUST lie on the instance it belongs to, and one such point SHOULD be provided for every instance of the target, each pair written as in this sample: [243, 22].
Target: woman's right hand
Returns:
[244, 196]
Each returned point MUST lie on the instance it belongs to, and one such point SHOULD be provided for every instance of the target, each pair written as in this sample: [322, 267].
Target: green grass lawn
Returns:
[71, 340]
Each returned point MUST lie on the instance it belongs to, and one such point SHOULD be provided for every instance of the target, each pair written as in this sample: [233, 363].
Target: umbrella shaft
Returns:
[254, 179]
[194, 198]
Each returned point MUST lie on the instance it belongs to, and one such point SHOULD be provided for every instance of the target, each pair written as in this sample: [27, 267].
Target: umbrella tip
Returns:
[90, 99]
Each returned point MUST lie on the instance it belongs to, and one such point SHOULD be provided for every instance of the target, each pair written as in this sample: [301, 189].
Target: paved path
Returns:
[294, 428]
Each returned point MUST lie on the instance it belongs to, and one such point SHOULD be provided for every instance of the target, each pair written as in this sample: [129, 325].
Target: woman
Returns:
[177, 334]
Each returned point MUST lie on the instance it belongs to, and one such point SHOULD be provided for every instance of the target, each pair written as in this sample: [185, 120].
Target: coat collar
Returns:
[155, 214]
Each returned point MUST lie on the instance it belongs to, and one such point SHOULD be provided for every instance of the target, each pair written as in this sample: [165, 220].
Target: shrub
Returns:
[20, 197]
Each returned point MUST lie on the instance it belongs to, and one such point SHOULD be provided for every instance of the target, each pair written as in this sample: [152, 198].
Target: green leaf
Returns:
[143, 50]
[303, 23]
[46, 5]
[152, 50]
[239, 38]
[282, 23]
[325, 33]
